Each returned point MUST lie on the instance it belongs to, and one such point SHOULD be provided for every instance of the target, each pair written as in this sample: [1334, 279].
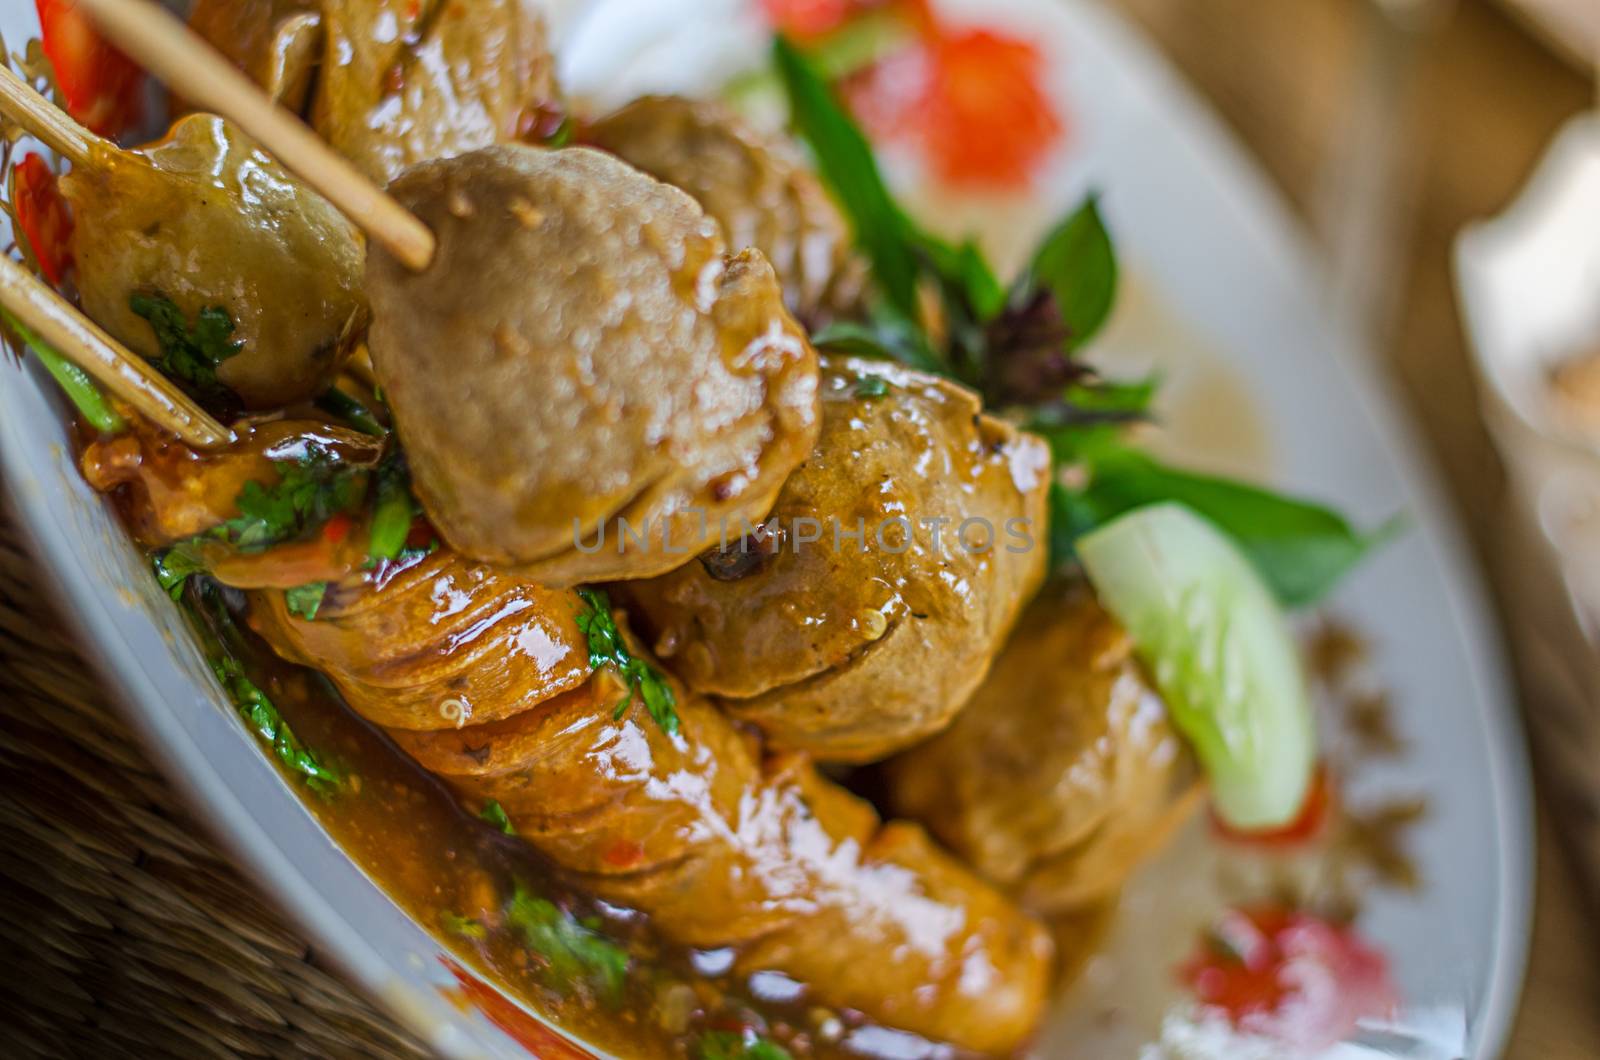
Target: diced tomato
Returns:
[986, 119]
[1289, 975]
[337, 528]
[806, 19]
[421, 534]
[43, 216]
[102, 87]
[972, 100]
[1312, 822]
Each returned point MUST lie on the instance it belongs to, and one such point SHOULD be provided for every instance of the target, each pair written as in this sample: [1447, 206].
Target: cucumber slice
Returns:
[1220, 651]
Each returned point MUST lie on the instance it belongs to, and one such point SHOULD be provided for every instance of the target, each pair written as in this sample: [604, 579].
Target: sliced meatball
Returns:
[755, 186]
[718, 846]
[859, 619]
[1063, 774]
[585, 383]
[205, 219]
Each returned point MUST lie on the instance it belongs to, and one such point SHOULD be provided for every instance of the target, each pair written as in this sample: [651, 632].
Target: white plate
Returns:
[1218, 262]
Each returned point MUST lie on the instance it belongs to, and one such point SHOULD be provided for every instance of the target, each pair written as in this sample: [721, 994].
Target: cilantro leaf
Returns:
[309, 492]
[190, 354]
[305, 600]
[464, 926]
[173, 568]
[263, 718]
[606, 648]
[573, 953]
[733, 1045]
[496, 815]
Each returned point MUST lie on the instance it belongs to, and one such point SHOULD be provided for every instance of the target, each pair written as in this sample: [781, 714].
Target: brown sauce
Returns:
[455, 875]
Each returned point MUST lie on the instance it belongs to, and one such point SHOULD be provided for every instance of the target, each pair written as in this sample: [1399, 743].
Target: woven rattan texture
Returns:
[124, 930]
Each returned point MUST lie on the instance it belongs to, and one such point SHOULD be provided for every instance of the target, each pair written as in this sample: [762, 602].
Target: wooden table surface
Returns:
[1478, 101]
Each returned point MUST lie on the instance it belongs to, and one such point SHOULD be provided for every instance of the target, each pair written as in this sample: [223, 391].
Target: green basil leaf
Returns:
[847, 164]
[1077, 264]
[1301, 548]
[886, 338]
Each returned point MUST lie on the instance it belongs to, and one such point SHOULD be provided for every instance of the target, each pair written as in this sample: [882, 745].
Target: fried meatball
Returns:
[443, 77]
[755, 186]
[275, 42]
[393, 82]
[905, 546]
[580, 354]
[205, 219]
[1064, 772]
[720, 847]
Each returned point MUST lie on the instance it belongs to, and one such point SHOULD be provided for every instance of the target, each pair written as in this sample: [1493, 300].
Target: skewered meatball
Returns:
[205, 219]
[870, 636]
[755, 186]
[396, 81]
[719, 847]
[1064, 772]
[582, 352]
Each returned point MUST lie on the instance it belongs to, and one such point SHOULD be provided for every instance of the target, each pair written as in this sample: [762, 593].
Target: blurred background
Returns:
[1390, 125]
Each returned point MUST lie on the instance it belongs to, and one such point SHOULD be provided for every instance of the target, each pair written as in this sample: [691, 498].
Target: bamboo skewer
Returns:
[120, 370]
[45, 121]
[166, 47]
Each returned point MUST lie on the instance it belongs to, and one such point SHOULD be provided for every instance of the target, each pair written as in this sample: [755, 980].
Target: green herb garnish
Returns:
[496, 815]
[732, 1045]
[393, 512]
[309, 491]
[342, 405]
[574, 953]
[190, 354]
[1019, 347]
[173, 568]
[82, 391]
[305, 600]
[871, 386]
[464, 926]
[262, 716]
[606, 648]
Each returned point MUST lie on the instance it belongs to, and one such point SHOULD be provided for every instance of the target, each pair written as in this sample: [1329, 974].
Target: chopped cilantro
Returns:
[464, 926]
[173, 567]
[606, 648]
[871, 386]
[574, 953]
[309, 491]
[305, 600]
[495, 814]
[190, 354]
[262, 716]
[733, 1045]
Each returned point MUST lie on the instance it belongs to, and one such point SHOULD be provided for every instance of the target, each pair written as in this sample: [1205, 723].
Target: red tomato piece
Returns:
[1288, 975]
[806, 19]
[986, 118]
[43, 216]
[1320, 802]
[102, 87]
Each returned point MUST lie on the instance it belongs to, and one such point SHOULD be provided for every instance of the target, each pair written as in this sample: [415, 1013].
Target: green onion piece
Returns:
[336, 402]
[82, 391]
[391, 516]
